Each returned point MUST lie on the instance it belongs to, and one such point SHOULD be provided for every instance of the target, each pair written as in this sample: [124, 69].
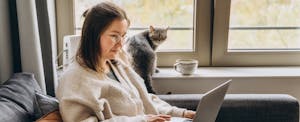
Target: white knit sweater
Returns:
[86, 96]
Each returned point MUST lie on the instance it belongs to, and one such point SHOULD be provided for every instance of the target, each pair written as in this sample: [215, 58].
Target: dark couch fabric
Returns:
[16, 98]
[246, 107]
[45, 105]
[21, 99]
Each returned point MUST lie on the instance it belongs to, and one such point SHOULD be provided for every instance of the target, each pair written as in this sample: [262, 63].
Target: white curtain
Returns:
[31, 56]
[28, 40]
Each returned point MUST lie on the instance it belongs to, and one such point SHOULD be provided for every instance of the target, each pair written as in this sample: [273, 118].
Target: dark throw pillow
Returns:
[17, 97]
[45, 104]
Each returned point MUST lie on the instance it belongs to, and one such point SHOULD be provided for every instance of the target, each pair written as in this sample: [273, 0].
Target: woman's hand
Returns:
[157, 118]
[189, 114]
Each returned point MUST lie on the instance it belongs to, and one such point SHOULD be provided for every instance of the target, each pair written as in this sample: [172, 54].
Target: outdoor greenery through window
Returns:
[264, 24]
[175, 14]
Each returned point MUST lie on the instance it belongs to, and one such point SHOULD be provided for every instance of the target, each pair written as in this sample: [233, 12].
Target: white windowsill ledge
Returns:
[232, 72]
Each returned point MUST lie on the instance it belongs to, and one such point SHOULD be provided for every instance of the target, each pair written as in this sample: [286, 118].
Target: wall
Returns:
[6, 68]
[239, 85]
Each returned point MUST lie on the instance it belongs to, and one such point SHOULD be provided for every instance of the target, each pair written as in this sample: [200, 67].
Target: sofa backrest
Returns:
[21, 99]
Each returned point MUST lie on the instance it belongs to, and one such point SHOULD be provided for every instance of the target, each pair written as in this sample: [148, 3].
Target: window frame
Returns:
[221, 56]
[202, 30]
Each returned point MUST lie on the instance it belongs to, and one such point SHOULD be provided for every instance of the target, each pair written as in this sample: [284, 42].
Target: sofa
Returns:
[245, 107]
[21, 100]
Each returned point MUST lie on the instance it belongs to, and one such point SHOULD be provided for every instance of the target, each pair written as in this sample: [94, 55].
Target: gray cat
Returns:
[141, 50]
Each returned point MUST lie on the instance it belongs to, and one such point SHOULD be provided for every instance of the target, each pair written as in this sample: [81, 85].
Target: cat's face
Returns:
[158, 35]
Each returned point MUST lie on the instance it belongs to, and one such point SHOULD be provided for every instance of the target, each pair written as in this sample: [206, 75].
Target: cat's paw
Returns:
[156, 70]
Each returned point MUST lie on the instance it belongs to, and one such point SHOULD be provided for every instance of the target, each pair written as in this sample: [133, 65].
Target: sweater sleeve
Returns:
[80, 101]
[79, 111]
[165, 108]
[161, 106]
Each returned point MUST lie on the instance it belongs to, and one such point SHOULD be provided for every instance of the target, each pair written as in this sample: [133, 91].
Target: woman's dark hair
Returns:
[97, 20]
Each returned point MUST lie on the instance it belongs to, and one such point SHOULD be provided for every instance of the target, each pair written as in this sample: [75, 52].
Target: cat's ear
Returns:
[167, 28]
[151, 28]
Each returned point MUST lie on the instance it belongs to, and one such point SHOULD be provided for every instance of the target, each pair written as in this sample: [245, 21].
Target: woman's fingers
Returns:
[159, 119]
[189, 114]
[155, 118]
[166, 117]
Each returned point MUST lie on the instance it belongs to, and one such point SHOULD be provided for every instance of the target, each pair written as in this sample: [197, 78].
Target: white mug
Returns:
[186, 66]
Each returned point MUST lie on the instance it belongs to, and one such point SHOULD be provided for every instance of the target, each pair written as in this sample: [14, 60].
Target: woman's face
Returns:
[112, 39]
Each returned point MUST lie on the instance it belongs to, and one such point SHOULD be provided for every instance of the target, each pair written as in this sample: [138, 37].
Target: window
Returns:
[256, 32]
[264, 24]
[215, 32]
[179, 15]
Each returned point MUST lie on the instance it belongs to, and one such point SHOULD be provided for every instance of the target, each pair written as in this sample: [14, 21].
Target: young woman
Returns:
[99, 86]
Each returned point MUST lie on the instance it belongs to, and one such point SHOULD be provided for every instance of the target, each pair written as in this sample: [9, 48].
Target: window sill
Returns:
[232, 72]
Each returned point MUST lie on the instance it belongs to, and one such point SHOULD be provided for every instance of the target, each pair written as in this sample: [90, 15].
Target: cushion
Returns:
[17, 96]
[53, 116]
[44, 105]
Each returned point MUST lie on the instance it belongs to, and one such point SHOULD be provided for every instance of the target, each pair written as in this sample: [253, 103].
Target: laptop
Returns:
[209, 105]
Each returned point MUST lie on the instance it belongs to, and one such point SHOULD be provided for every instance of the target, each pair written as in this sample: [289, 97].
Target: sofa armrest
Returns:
[245, 107]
